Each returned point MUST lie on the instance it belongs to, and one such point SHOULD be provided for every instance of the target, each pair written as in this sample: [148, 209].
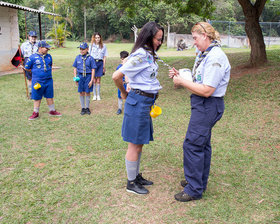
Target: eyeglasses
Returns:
[201, 26]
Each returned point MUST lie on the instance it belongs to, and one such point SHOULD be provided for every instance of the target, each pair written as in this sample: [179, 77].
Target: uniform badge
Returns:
[149, 59]
[217, 64]
[38, 66]
[153, 75]
[37, 61]
[198, 77]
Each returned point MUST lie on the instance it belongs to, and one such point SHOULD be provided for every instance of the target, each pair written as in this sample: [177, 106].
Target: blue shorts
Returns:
[99, 69]
[83, 83]
[46, 89]
[119, 92]
[27, 73]
[137, 125]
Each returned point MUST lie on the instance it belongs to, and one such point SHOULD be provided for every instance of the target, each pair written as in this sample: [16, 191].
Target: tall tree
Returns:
[252, 13]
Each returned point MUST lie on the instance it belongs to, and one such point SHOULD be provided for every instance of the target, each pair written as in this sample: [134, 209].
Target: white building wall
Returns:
[9, 37]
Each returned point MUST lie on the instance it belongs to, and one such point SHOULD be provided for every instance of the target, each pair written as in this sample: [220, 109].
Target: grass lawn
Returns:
[71, 169]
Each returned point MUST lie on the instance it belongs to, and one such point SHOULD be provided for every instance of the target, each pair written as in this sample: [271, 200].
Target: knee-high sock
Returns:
[87, 101]
[120, 103]
[94, 89]
[131, 167]
[138, 163]
[98, 89]
[82, 100]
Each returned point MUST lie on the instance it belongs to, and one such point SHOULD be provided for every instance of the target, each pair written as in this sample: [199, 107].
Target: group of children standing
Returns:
[88, 71]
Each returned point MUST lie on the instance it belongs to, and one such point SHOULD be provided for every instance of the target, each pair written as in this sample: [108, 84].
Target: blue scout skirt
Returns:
[137, 125]
[99, 69]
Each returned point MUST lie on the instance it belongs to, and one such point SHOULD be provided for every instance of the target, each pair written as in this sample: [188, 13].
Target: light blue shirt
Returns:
[98, 53]
[214, 71]
[27, 49]
[142, 70]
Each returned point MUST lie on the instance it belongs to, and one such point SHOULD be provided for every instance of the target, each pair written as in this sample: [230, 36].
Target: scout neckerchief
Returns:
[32, 47]
[202, 55]
[43, 59]
[84, 64]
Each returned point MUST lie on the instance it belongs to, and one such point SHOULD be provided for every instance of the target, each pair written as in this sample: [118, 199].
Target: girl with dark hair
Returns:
[98, 51]
[137, 129]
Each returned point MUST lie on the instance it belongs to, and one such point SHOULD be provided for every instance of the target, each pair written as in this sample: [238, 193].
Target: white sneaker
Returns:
[94, 98]
[98, 98]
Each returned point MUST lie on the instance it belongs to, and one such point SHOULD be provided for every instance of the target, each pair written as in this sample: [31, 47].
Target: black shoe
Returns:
[119, 111]
[184, 197]
[83, 111]
[88, 111]
[143, 181]
[135, 187]
[184, 183]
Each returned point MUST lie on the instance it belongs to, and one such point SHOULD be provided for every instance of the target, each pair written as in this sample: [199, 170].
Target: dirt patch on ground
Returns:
[241, 70]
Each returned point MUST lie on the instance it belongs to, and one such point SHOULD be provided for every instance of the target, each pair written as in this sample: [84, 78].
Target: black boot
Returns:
[134, 187]
[143, 181]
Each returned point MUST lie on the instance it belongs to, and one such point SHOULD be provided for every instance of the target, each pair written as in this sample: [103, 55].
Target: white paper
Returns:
[186, 73]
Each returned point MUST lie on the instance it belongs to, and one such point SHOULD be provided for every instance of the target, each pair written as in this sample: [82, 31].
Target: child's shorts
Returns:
[99, 68]
[137, 125]
[46, 89]
[83, 83]
[119, 92]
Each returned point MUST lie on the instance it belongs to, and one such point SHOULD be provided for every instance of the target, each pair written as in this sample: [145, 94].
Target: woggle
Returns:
[155, 111]
[76, 79]
[37, 86]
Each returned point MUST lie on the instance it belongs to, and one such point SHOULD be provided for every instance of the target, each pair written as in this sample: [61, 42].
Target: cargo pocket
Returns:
[130, 106]
[197, 135]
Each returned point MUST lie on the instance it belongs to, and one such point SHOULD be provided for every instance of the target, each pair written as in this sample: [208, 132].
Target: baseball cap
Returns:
[32, 33]
[43, 43]
[83, 45]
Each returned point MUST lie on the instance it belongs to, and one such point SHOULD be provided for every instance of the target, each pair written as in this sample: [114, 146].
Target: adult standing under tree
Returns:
[211, 73]
[98, 51]
[137, 129]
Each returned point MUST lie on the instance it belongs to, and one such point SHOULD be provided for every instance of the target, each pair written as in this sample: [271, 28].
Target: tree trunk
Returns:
[253, 30]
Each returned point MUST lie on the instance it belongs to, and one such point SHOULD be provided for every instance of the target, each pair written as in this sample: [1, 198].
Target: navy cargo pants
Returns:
[205, 112]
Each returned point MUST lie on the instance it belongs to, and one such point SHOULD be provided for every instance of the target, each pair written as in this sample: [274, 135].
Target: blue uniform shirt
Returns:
[27, 49]
[89, 63]
[214, 71]
[40, 65]
[98, 53]
[142, 70]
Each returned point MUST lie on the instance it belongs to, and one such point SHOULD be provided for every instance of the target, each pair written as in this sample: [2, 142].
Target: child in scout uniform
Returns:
[40, 64]
[98, 51]
[27, 49]
[84, 68]
[123, 56]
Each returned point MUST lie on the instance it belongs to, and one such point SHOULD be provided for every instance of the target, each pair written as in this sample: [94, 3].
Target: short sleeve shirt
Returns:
[89, 62]
[142, 71]
[40, 65]
[98, 53]
[27, 49]
[214, 71]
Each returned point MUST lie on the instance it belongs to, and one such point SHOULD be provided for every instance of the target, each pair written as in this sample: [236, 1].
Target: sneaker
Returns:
[135, 187]
[88, 111]
[55, 113]
[119, 111]
[184, 183]
[83, 111]
[94, 98]
[184, 197]
[143, 181]
[34, 116]
[98, 98]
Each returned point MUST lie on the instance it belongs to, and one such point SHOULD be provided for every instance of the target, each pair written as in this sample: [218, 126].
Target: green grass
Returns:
[71, 169]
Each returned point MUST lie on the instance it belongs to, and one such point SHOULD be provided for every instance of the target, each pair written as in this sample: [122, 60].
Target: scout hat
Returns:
[43, 43]
[83, 45]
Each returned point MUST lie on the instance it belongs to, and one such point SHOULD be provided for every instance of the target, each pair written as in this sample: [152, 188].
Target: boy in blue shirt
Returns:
[84, 68]
[123, 56]
[40, 64]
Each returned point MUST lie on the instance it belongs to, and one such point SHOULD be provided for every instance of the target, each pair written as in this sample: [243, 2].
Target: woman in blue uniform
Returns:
[211, 73]
[98, 51]
[141, 70]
